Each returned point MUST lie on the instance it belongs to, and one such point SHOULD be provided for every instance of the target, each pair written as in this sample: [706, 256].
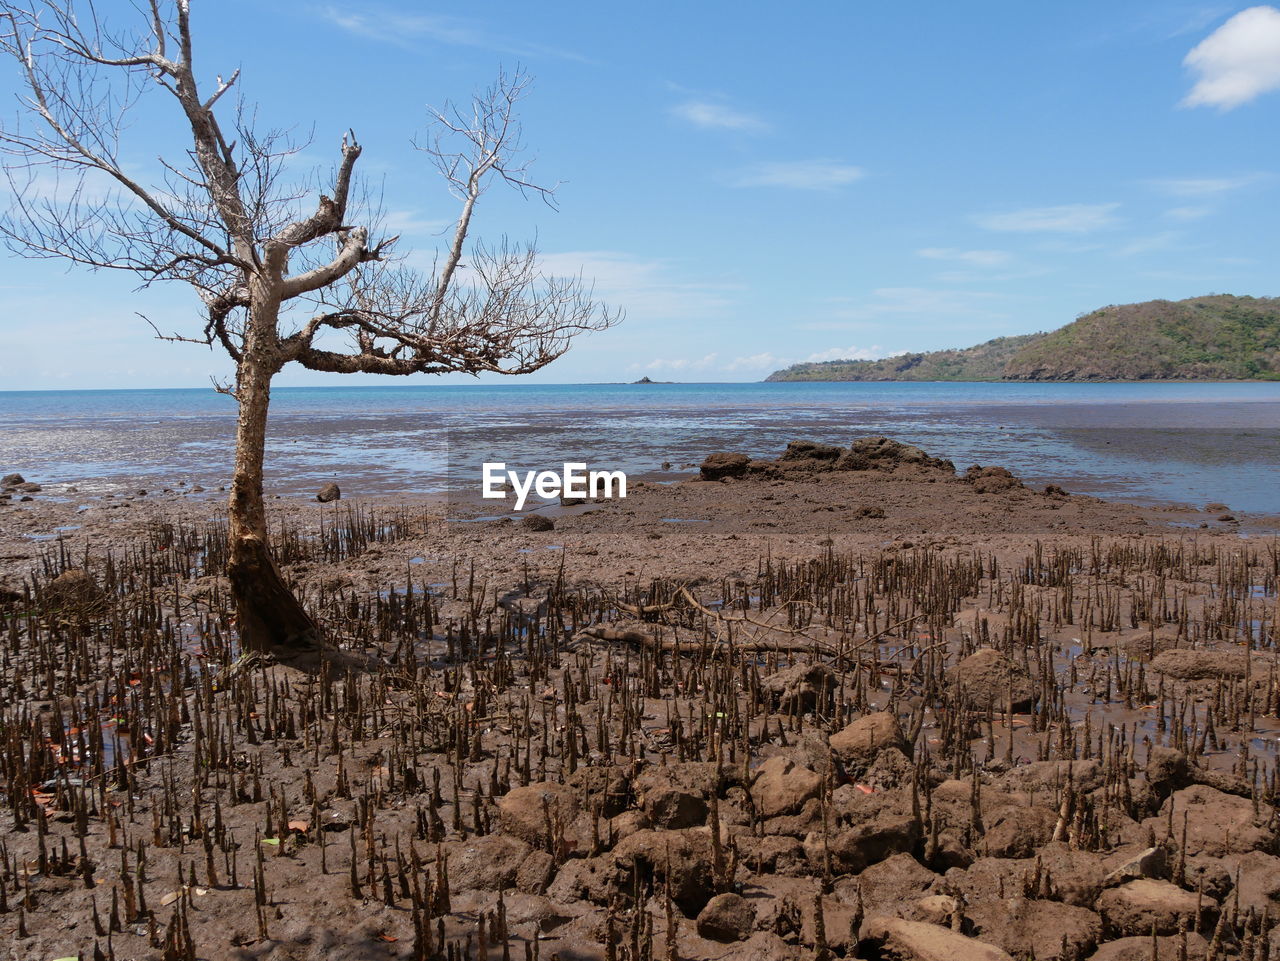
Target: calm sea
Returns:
[1190, 443]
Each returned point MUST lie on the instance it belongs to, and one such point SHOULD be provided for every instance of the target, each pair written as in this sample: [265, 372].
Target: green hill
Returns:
[1220, 337]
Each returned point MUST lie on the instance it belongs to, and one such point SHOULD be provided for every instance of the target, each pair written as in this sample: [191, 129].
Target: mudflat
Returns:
[844, 703]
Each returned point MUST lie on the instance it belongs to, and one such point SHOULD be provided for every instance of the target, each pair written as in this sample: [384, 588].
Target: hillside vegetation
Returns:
[1219, 337]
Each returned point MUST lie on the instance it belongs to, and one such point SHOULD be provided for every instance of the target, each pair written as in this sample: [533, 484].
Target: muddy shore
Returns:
[883, 710]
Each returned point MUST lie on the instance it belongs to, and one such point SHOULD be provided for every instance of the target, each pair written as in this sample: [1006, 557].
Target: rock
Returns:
[1033, 928]
[1133, 909]
[853, 849]
[1015, 829]
[1200, 665]
[607, 787]
[571, 501]
[675, 795]
[628, 823]
[1218, 824]
[535, 872]
[1139, 949]
[991, 480]
[29, 488]
[1259, 886]
[727, 917]
[329, 493]
[772, 854]
[73, 588]
[986, 678]
[801, 688]
[780, 786]
[1051, 776]
[681, 857]
[885, 887]
[806, 454]
[485, 863]
[882, 453]
[723, 464]
[1151, 863]
[584, 879]
[1211, 876]
[537, 522]
[12, 480]
[523, 811]
[1168, 770]
[859, 742]
[893, 939]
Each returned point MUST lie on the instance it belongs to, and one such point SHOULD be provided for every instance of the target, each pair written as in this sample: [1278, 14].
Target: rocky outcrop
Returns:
[723, 464]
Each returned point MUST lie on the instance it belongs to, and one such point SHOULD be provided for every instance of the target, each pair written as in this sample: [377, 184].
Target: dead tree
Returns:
[282, 279]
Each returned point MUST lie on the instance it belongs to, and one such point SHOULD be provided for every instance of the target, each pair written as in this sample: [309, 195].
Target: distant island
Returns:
[646, 380]
[1219, 337]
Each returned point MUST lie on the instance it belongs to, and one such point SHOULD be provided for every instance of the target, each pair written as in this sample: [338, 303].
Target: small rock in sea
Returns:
[537, 522]
[727, 917]
[1215, 508]
[666, 465]
[26, 497]
[30, 488]
[1053, 490]
[328, 493]
[142, 493]
[571, 501]
[1226, 517]
[12, 480]
[196, 489]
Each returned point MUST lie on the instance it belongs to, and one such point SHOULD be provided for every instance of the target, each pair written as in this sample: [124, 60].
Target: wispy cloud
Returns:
[408, 29]
[761, 361]
[798, 175]
[1203, 186]
[924, 302]
[644, 288]
[718, 116]
[976, 258]
[1237, 62]
[678, 363]
[1064, 218]
[1145, 245]
[1187, 213]
[845, 353]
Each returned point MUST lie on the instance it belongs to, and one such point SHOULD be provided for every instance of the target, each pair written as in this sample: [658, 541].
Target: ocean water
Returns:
[1185, 443]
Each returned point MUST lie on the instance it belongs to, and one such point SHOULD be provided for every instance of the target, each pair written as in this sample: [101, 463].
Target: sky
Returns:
[753, 185]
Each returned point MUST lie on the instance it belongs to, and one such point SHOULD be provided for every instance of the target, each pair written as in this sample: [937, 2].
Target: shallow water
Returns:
[1190, 443]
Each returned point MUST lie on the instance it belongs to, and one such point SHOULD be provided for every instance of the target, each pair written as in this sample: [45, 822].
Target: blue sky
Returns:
[755, 185]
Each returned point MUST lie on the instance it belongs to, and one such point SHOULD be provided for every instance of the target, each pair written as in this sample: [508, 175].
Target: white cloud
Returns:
[1064, 218]
[1154, 242]
[1203, 186]
[678, 363]
[643, 288]
[799, 175]
[762, 361]
[1238, 61]
[978, 258]
[404, 29]
[845, 353]
[705, 113]
[929, 302]
[1187, 213]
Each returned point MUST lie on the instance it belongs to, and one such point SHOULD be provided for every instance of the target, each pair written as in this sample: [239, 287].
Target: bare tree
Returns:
[282, 280]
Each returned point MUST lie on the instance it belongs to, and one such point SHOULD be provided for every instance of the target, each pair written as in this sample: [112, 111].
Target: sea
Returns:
[1183, 443]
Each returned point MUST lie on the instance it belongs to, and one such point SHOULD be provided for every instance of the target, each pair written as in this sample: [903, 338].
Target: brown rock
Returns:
[1132, 909]
[991, 480]
[860, 741]
[682, 857]
[1218, 824]
[675, 795]
[723, 464]
[524, 811]
[485, 863]
[800, 689]
[329, 493]
[852, 849]
[780, 786]
[1033, 928]
[73, 588]
[897, 940]
[727, 917]
[1200, 665]
[986, 678]
[883, 453]
[1139, 949]
[537, 523]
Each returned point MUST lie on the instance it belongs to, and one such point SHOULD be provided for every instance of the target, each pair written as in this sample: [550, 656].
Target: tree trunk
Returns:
[269, 617]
